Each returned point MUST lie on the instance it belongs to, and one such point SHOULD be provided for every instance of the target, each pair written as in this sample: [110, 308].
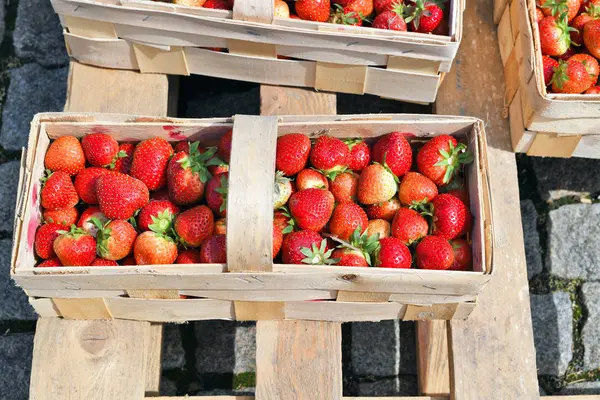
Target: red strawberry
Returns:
[311, 208]
[123, 164]
[391, 19]
[558, 8]
[360, 154]
[188, 256]
[218, 169]
[361, 8]
[149, 163]
[379, 227]
[115, 239]
[75, 247]
[329, 154]
[282, 190]
[183, 146]
[344, 187]
[450, 216]
[160, 194]
[567, 54]
[593, 90]
[550, 65]
[53, 262]
[85, 183]
[346, 218]
[463, 256]
[86, 223]
[393, 150]
[194, 225]
[58, 192]
[434, 252]
[571, 76]
[461, 193]
[305, 247]
[409, 226]
[424, 15]
[416, 188]
[554, 36]
[393, 254]
[376, 184]
[277, 239]
[214, 250]
[385, 210]
[160, 212]
[188, 173]
[65, 154]
[220, 226]
[66, 216]
[440, 158]
[590, 64]
[591, 37]
[225, 146]
[216, 194]
[130, 260]
[383, 5]
[101, 150]
[45, 236]
[539, 14]
[313, 10]
[578, 23]
[151, 248]
[283, 220]
[218, 4]
[345, 16]
[120, 195]
[309, 179]
[349, 257]
[101, 262]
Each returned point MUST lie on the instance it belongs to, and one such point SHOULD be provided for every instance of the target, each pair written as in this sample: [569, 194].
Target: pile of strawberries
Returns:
[570, 44]
[106, 203]
[354, 205]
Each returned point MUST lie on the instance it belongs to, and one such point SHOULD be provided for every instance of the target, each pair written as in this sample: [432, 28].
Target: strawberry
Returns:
[183, 146]
[123, 164]
[360, 154]
[101, 262]
[305, 247]
[292, 153]
[440, 158]
[160, 212]
[434, 252]
[220, 226]
[349, 257]
[65, 216]
[311, 208]
[85, 183]
[120, 195]
[188, 256]
[281, 10]
[424, 15]
[194, 225]
[567, 54]
[409, 226]
[216, 194]
[309, 179]
[45, 236]
[114, 239]
[344, 187]
[214, 250]
[86, 223]
[330, 155]
[558, 8]
[277, 239]
[393, 254]
[591, 37]
[450, 216]
[284, 221]
[152, 248]
[463, 256]
[218, 4]
[394, 151]
[593, 90]
[360, 8]
[549, 65]
[539, 14]
[65, 154]
[461, 193]
[129, 260]
[555, 36]
[383, 5]
[590, 64]
[282, 190]
[571, 76]
[416, 188]
[75, 247]
[346, 218]
[384, 210]
[345, 16]
[101, 150]
[53, 262]
[391, 19]
[160, 194]
[379, 227]
[218, 169]
[358, 249]
[313, 10]
[149, 163]
[376, 184]
[578, 23]
[187, 174]
[58, 191]
[224, 148]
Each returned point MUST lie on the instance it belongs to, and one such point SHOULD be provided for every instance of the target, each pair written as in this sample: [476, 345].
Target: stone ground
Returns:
[560, 222]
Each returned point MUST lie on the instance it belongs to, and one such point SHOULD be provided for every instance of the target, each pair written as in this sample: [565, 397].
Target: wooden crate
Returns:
[157, 37]
[541, 123]
[250, 286]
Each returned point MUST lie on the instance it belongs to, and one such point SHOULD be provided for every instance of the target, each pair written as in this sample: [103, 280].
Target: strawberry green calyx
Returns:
[318, 255]
[367, 245]
[452, 160]
[345, 18]
[47, 174]
[413, 13]
[291, 225]
[198, 162]
[593, 10]
[560, 76]
[333, 172]
[352, 142]
[556, 7]
[73, 232]
[223, 190]
[162, 222]
[388, 169]
[113, 164]
[565, 32]
[101, 237]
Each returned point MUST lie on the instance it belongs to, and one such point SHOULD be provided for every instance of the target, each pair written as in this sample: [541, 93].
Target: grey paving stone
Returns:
[32, 89]
[403, 385]
[168, 387]
[581, 388]
[225, 346]
[552, 319]
[38, 35]
[8, 194]
[533, 252]
[573, 250]
[173, 354]
[591, 331]
[558, 177]
[2, 16]
[408, 348]
[15, 305]
[375, 348]
[15, 365]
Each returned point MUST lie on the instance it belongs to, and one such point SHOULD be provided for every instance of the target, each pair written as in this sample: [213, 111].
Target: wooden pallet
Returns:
[489, 356]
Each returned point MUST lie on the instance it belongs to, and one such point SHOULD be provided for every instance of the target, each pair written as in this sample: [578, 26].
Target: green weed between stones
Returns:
[244, 380]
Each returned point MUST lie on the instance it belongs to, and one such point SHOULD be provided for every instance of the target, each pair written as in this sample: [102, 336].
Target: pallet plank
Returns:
[432, 358]
[492, 352]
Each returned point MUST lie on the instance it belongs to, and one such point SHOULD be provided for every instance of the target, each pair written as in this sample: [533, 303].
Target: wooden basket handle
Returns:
[254, 10]
[250, 195]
